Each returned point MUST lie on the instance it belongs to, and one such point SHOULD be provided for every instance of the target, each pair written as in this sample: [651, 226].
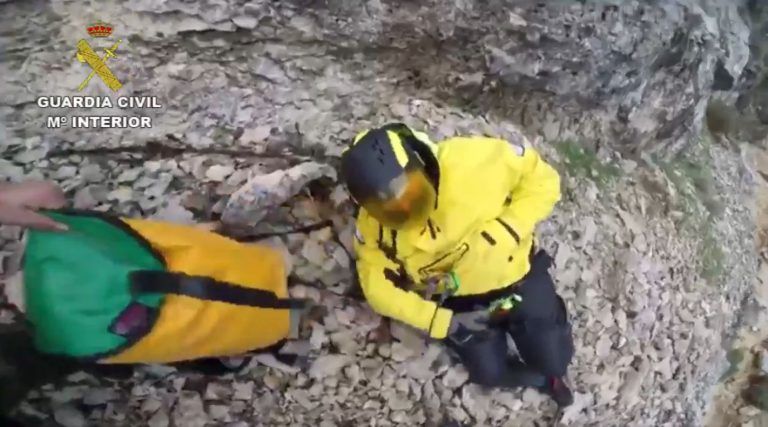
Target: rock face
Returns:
[624, 72]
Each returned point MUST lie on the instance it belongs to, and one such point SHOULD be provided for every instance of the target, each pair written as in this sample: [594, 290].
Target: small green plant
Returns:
[579, 161]
[734, 357]
[698, 201]
[712, 258]
[222, 135]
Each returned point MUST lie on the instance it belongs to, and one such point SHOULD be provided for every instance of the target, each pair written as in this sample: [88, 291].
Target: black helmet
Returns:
[393, 175]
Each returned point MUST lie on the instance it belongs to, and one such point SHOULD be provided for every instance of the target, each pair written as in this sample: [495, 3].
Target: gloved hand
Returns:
[471, 321]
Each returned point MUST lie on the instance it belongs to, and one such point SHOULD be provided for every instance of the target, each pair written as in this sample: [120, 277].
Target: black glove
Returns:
[464, 325]
[472, 320]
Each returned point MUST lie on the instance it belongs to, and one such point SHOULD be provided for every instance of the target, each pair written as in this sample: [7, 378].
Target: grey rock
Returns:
[763, 359]
[159, 419]
[455, 377]
[140, 390]
[115, 412]
[630, 390]
[151, 405]
[237, 178]
[121, 194]
[399, 402]
[384, 350]
[91, 173]
[253, 201]
[399, 417]
[86, 198]
[172, 211]
[265, 402]
[178, 383]
[314, 252]
[160, 187]
[157, 370]
[400, 352]
[330, 364]
[69, 394]
[475, 402]
[219, 413]
[588, 231]
[129, 175]
[270, 360]
[532, 397]
[346, 341]
[604, 345]
[189, 410]
[508, 400]
[302, 397]
[80, 376]
[421, 367]
[243, 391]
[255, 134]
[217, 391]
[100, 396]
[10, 171]
[403, 385]
[272, 382]
[218, 173]
[69, 416]
[410, 338]
[238, 407]
[581, 401]
[65, 172]
[353, 373]
[30, 156]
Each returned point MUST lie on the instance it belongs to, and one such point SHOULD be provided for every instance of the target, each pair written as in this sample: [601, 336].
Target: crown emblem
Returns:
[99, 29]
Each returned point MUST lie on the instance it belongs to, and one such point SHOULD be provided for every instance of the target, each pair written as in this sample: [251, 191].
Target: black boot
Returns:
[558, 389]
[522, 375]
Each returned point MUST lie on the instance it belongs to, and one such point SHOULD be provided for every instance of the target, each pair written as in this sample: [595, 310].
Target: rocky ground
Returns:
[650, 294]
[654, 240]
[739, 399]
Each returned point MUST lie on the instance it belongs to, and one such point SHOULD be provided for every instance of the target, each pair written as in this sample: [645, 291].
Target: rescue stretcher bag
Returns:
[118, 290]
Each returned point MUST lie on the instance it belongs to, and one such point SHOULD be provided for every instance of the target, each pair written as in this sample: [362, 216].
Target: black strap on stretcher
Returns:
[206, 288]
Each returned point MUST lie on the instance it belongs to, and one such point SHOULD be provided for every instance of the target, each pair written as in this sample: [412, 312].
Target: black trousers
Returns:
[539, 327]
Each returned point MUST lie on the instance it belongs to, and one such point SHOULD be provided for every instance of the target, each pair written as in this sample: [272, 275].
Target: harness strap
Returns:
[206, 288]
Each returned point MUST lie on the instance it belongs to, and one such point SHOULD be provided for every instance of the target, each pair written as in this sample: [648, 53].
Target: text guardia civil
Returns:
[99, 102]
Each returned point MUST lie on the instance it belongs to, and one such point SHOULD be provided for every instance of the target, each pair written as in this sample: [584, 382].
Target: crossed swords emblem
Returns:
[85, 53]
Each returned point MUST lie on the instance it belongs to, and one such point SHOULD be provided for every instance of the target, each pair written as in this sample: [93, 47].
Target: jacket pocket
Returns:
[508, 228]
[445, 262]
[488, 238]
[500, 239]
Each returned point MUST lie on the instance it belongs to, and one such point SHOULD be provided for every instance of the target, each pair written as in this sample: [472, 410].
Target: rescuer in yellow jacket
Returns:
[445, 243]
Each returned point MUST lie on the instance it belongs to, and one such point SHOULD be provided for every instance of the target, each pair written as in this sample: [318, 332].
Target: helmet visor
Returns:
[407, 202]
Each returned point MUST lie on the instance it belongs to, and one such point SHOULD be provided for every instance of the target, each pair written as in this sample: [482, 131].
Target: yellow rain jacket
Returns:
[492, 193]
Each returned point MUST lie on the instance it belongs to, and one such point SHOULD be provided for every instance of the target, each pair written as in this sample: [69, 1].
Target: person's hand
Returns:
[19, 204]
[471, 321]
[464, 326]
